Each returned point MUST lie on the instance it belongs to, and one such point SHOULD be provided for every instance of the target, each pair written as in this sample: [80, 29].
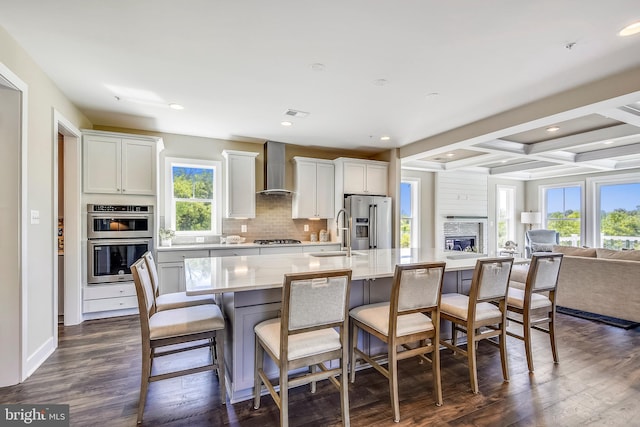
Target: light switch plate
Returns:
[306, 227]
[200, 239]
[243, 228]
[35, 217]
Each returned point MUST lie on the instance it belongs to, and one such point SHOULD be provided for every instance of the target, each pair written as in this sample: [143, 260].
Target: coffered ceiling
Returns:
[435, 78]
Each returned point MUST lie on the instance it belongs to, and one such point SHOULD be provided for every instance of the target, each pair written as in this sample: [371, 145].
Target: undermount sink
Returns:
[334, 253]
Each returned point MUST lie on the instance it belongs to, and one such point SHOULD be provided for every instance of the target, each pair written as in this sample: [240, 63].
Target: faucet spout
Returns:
[346, 229]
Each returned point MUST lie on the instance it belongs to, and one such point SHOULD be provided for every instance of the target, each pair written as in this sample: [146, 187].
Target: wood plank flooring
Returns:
[96, 370]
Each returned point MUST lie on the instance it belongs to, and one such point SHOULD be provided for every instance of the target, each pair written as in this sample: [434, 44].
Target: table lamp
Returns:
[530, 218]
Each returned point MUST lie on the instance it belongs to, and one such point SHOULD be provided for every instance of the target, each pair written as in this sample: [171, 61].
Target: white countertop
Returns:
[256, 272]
[196, 246]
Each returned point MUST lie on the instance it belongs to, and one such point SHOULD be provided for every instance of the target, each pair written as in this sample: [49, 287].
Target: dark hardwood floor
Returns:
[96, 370]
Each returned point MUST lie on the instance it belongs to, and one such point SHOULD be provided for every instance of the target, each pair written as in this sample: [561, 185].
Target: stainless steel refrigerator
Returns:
[371, 221]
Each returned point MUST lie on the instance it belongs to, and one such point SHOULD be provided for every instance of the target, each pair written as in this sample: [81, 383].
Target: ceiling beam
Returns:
[607, 153]
[584, 138]
[623, 114]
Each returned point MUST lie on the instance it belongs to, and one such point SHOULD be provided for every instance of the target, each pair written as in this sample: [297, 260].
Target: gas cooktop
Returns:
[276, 241]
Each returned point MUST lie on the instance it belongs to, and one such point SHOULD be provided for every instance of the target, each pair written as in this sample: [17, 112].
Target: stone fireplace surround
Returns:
[455, 227]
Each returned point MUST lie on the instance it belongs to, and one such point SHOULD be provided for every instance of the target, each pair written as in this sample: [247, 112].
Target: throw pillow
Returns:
[541, 247]
[574, 251]
[624, 255]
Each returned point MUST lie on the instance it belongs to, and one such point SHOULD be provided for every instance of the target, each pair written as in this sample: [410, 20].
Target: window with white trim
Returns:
[562, 212]
[505, 214]
[409, 213]
[193, 199]
[618, 214]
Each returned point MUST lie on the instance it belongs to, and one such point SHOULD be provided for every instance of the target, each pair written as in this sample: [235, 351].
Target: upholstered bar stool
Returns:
[409, 324]
[313, 330]
[536, 304]
[192, 327]
[173, 299]
[482, 314]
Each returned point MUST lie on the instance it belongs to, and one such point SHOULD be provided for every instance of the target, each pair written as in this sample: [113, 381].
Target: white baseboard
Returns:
[38, 357]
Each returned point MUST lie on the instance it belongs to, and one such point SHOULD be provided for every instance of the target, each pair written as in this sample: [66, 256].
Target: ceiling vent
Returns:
[296, 113]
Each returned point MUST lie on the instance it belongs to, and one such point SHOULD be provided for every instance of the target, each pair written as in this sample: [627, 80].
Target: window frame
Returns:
[594, 185]
[414, 237]
[511, 225]
[169, 205]
[584, 239]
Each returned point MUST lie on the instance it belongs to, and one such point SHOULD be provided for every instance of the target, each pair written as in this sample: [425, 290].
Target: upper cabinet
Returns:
[119, 164]
[240, 173]
[313, 188]
[354, 176]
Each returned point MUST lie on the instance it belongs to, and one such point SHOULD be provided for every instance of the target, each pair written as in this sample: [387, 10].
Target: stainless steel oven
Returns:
[117, 236]
[119, 221]
[110, 259]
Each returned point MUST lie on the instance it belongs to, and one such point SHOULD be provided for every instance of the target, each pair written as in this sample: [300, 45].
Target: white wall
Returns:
[41, 240]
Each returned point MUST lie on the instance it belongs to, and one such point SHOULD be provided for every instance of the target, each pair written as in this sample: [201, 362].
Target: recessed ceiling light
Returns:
[433, 94]
[385, 138]
[176, 106]
[381, 82]
[630, 29]
[317, 67]
[607, 142]
[450, 154]
[553, 129]
[504, 161]
[286, 123]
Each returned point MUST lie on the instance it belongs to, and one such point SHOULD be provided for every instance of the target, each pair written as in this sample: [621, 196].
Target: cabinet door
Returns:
[377, 180]
[325, 190]
[304, 198]
[171, 277]
[241, 185]
[102, 173]
[354, 178]
[138, 167]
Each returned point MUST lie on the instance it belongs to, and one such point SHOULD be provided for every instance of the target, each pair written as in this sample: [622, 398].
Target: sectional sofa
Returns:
[601, 281]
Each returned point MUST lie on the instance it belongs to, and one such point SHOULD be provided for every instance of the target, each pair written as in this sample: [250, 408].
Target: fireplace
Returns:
[460, 243]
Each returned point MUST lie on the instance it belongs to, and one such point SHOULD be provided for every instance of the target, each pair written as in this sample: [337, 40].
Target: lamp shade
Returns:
[530, 217]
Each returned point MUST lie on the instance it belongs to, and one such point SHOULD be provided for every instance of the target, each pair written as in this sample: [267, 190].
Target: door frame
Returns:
[72, 222]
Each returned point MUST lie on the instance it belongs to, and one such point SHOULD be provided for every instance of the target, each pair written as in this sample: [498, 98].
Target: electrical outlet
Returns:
[35, 217]
[200, 239]
[243, 228]
[306, 227]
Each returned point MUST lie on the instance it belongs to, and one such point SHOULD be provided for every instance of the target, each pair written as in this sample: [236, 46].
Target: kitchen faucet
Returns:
[346, 229]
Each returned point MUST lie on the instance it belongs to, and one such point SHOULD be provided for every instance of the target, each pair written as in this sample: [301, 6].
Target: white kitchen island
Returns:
[250, 289]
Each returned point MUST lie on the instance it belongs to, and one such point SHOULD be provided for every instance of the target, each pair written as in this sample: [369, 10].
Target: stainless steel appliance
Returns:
[370, 221]
[117, 236]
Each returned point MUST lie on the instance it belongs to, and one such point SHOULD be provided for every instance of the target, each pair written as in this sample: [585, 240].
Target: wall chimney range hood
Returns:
[274, 168]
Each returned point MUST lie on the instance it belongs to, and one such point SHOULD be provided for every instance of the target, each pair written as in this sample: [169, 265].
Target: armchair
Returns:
[540, 241]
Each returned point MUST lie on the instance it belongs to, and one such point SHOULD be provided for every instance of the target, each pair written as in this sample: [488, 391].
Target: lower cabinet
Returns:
[110, 297]
[171, 268]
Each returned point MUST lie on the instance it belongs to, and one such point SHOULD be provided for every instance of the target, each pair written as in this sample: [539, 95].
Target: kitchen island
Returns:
[250, 289]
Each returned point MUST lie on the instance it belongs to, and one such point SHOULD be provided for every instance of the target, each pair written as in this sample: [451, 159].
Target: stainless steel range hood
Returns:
[274, 168]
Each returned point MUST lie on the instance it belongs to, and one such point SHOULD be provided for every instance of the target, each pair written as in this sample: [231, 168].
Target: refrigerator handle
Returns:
[371, 227]
[375, 226]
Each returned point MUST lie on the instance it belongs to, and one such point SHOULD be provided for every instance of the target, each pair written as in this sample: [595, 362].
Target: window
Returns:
[505, 214]
[619, 215]
[563, 213]
[409, 227]
[192, 196]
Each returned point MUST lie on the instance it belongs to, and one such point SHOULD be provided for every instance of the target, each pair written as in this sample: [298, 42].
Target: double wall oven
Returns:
[117, 236]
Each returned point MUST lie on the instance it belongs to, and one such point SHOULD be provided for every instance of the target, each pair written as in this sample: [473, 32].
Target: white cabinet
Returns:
[119, 165]
[171, 268]
[362, 176]
[240, 174]
[234, 252]
[314, 188]
[109, 297]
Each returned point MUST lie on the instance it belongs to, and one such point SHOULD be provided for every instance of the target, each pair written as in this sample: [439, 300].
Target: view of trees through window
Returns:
[620, 216]
[564, 214]
[505, 215]
[193, 197]
[405, 215]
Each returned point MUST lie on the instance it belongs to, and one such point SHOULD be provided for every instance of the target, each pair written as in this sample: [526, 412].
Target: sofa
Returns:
[600, 281]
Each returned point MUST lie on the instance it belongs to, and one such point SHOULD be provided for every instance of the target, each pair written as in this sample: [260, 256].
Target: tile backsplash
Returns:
[273, 221]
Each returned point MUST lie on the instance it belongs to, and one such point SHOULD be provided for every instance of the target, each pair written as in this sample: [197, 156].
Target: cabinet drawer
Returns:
[107, 304]
[93, 292]
[280, 250]
[321, 248]
[178, 256]
[235, 252]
